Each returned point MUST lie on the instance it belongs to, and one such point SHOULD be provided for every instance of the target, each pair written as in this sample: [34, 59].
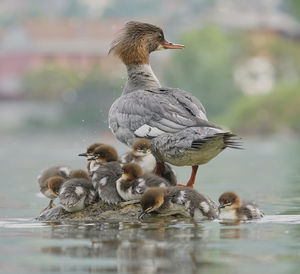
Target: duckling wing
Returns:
[150, 113]
[169, 174]
[71, 192]
[192, 200]
[148, 180]
[127, 158]
[62, 171]
[251, 210]
[104, 181]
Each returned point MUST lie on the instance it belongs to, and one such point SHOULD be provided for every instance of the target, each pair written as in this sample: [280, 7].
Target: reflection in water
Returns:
[267, 172]
[152, 247]
[230, 232]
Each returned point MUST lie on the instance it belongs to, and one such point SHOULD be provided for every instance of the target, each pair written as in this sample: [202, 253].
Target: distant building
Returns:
[66, 42]
[255, 75]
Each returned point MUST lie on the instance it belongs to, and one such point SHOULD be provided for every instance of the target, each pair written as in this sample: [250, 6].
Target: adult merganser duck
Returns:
[106, 172]
[178, 200]
[172, 119]
[232, 208]
[62, 172]
[89, 153]
[133, 182]
[78, 192]
[142, 155]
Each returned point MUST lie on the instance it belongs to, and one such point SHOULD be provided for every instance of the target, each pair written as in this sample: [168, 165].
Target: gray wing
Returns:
[148, 180]
[251, 210]
[169, 175]
[71, 192]
[92, 195]
[104, 181]
[62, 171]
[126, 158]
[153, 180]
[149, 113]
[193, 200]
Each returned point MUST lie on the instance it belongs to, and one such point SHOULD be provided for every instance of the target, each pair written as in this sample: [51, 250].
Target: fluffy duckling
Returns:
[133, 182]
[78, 192]
[178, 200]
[105, 174]
[60, 174]
[232, 208]
[90, 153]
[142, 155]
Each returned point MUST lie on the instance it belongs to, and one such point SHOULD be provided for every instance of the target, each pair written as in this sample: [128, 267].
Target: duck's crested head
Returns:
[79, 174]
[229, 200]
[137, 40]
[105, 153]
[55, 183]
[132, 171]
[90, 150]
[151, 200]
[141, 147]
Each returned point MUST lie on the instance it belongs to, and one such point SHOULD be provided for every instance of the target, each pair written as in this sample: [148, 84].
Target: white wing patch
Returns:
[162, 185]
[141, 182]
[79, 190]
[205, 206]
[251, 208]
[180, 198]
[94, 167]
[187, 204]
[65, 170]
[95, 176]
[148, 131]
[103, 181]
[62, 190]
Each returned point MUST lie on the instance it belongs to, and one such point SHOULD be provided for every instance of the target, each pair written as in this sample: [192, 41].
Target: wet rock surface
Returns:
[95, 212]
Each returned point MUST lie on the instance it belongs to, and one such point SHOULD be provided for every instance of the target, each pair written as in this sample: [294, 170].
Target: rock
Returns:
[96, 212]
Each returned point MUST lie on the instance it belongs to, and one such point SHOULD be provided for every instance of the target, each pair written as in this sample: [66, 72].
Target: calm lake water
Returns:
[267, 171]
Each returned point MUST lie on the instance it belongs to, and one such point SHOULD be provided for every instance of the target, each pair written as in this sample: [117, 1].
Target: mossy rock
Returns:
[99, 211]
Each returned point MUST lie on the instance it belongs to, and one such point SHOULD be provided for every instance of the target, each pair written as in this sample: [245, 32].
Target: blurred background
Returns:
[57, 83]
[242, 60]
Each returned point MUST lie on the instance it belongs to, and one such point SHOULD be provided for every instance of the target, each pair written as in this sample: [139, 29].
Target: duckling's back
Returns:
[62, 171]
[249, 210]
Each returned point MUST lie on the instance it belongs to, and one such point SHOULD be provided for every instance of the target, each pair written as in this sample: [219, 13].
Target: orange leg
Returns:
[192, 179]
[160, 167]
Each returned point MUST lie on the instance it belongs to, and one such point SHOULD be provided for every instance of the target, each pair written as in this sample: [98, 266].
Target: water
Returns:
[267, 171]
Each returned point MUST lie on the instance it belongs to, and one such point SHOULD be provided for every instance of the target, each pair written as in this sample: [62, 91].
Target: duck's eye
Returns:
[160, 36]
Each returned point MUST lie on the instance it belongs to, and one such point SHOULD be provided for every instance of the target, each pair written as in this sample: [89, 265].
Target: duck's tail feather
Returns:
[229, 140]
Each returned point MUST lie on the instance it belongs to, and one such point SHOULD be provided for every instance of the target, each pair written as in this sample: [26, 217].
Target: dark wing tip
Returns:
[230, 140]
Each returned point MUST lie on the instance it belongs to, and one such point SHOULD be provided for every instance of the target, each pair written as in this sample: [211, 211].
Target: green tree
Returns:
[204, 68]
[50, 82]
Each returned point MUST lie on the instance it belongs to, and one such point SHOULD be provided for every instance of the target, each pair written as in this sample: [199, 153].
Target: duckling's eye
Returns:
[160, 36]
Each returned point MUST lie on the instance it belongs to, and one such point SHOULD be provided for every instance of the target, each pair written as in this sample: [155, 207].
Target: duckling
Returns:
[232, 208]
[133, 183]
[142, 155]
[78, 192]
[105, 174]
[43, 180]
[178, 200]
[89, 153]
